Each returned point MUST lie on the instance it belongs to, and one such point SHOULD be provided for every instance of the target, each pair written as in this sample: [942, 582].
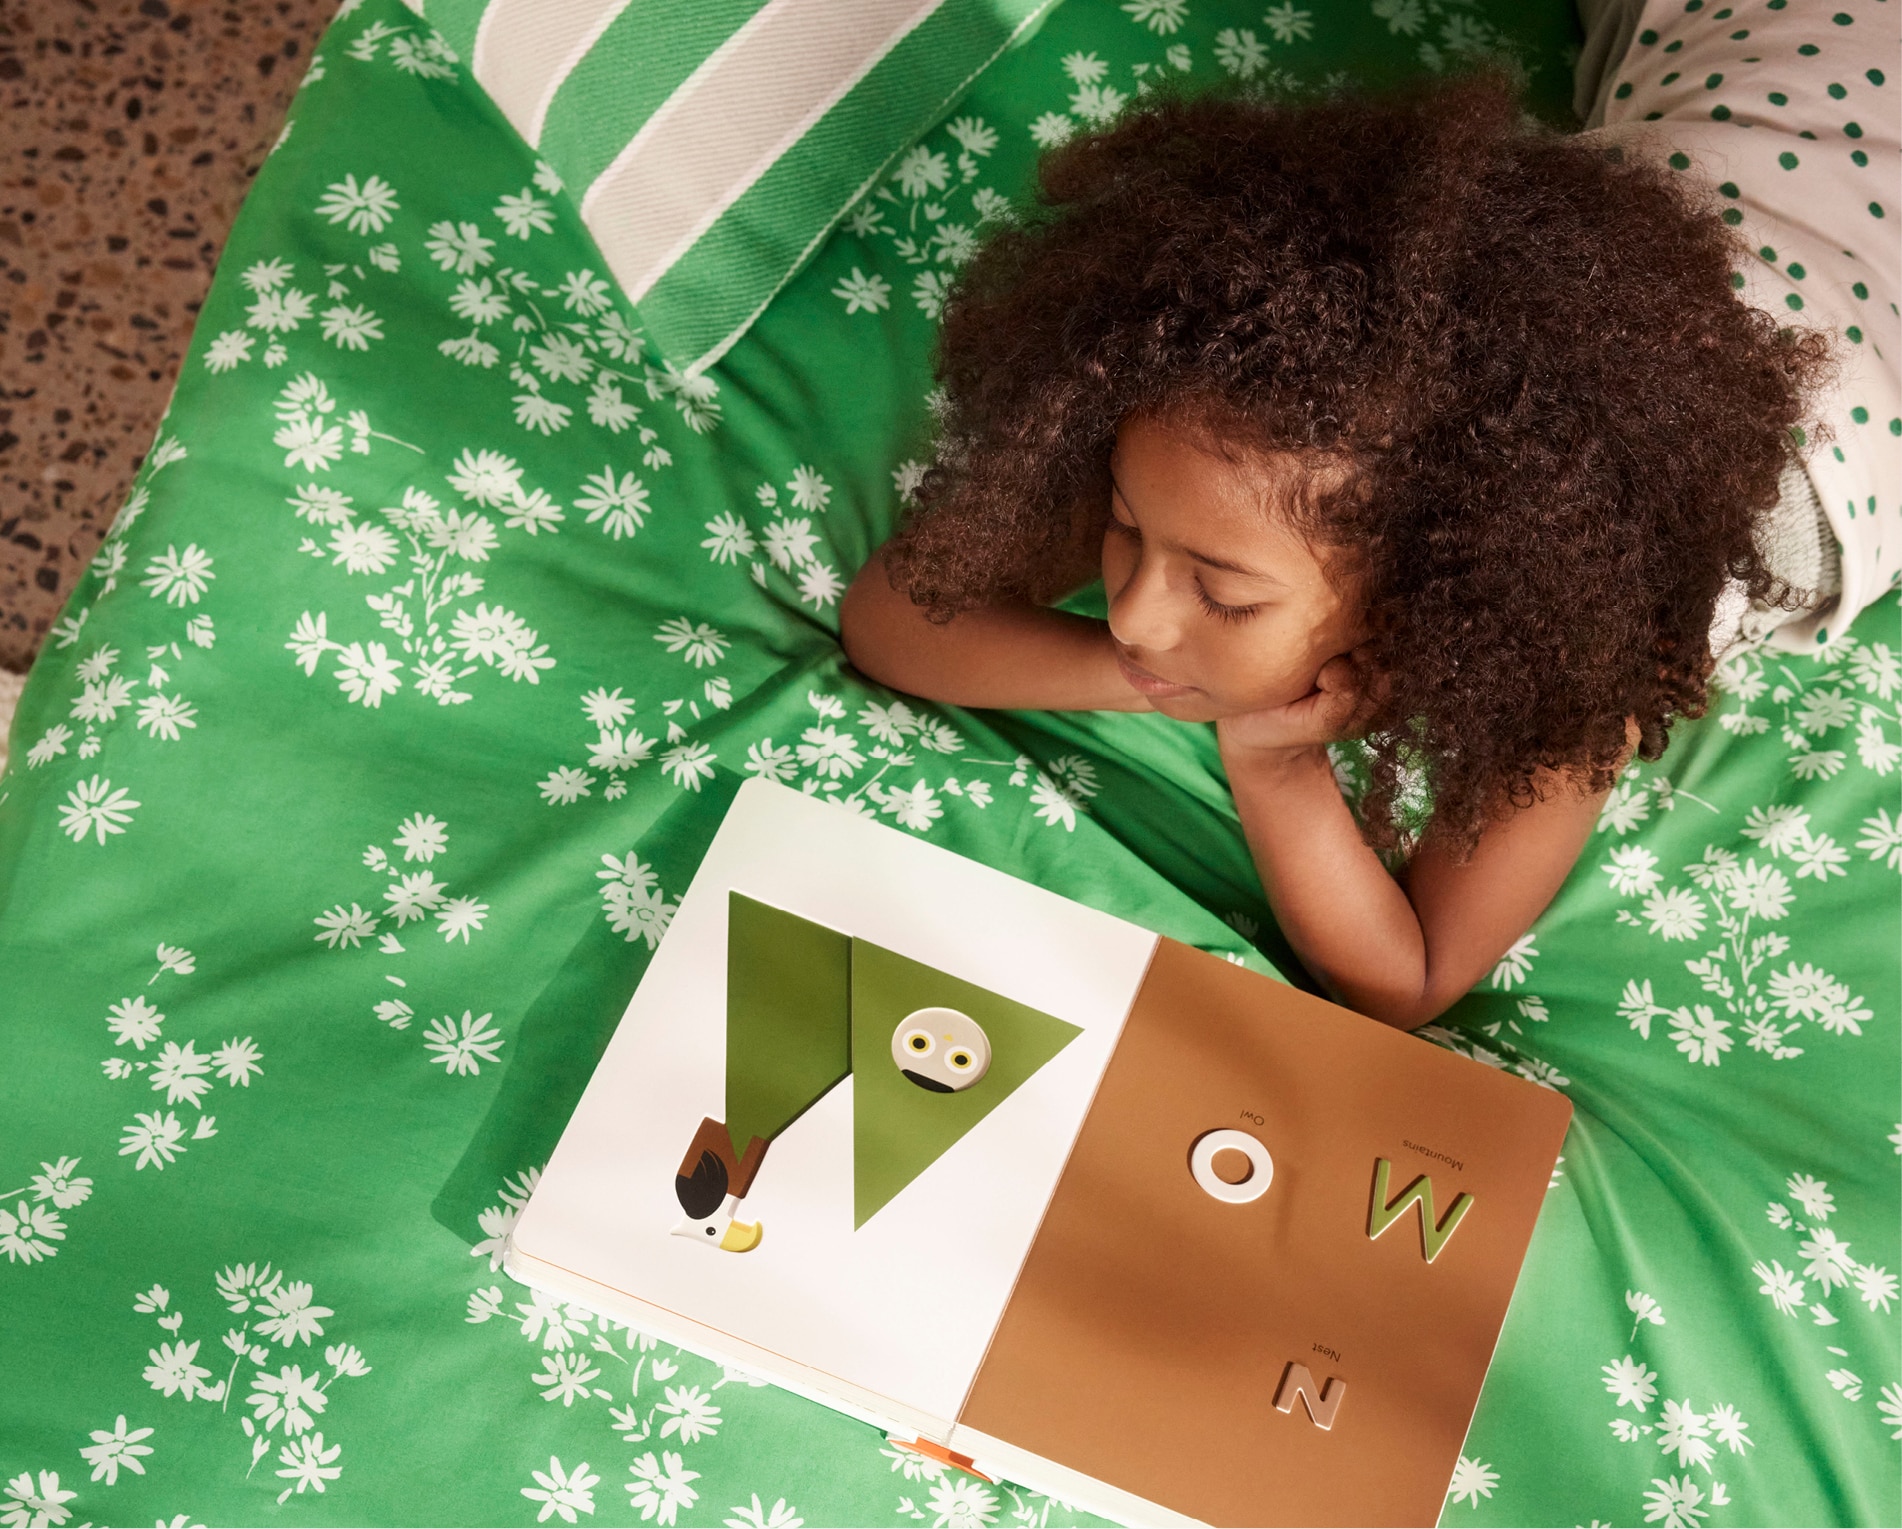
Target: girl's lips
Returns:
[1149, 684]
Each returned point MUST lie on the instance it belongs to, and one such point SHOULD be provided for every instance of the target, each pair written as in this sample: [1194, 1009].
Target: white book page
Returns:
[903, 1307]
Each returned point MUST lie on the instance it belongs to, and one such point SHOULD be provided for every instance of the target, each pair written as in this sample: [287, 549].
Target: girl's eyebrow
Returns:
[1201, 557]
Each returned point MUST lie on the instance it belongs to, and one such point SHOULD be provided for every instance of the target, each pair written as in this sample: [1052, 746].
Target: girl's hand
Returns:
[1326, 714]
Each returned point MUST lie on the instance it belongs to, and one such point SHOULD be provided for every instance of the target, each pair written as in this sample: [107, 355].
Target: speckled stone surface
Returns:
[129, 133]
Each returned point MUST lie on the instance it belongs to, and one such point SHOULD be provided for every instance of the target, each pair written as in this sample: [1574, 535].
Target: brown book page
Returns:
[1154, 1325]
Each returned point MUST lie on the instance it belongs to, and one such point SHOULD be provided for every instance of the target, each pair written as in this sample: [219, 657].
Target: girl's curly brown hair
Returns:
[1552, 422]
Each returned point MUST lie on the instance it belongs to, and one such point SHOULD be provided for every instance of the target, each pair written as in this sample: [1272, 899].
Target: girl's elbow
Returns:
[862, 632]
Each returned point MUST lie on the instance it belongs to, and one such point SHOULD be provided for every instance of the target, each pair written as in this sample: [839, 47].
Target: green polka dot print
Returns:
[1793, 120]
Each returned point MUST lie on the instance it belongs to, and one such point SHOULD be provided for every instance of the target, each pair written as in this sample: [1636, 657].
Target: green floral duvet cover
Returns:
[358, 783]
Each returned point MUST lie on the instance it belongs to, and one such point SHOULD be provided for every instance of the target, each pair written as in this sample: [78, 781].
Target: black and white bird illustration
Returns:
[712, 1180]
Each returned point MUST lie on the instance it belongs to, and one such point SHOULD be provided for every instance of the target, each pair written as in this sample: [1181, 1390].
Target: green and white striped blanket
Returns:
[712, 146]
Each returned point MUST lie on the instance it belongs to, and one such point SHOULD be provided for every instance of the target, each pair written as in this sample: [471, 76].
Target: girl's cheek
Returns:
[1119, 561]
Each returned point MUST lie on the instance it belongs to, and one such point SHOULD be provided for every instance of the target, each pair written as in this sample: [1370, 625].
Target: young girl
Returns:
[1394, 418]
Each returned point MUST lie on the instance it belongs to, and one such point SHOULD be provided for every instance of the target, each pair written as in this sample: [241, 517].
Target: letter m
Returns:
[1322, 1403]
[1433, 1233]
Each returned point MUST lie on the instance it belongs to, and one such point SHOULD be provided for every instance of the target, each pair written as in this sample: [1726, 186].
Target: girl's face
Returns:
[1217, 606]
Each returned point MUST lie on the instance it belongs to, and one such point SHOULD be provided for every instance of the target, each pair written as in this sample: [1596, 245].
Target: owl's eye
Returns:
[960, 1060]
[918, 1043]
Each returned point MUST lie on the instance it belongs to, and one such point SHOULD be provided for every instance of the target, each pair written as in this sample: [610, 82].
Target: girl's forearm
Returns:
[1400, 955]
[1346, 917]
[1006, 656]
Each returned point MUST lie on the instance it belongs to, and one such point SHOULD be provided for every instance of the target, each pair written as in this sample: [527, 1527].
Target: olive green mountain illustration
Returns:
[807, 1004]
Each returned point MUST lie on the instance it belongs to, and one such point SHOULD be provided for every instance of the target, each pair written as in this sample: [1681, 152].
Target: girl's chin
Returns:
[1203, 707]
[1197, 707]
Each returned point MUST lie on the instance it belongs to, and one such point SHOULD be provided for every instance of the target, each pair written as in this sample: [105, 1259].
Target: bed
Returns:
[358, 782]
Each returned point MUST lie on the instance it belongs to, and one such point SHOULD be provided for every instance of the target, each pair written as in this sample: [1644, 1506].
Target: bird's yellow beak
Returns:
[742, 1237]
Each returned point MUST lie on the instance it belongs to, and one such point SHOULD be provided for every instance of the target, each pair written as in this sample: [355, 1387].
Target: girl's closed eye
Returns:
[1219, 611]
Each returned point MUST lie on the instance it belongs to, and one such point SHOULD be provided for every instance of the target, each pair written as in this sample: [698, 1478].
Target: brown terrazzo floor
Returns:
[129, 133]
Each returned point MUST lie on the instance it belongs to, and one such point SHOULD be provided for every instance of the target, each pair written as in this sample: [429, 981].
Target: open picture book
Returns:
[1041, 1193]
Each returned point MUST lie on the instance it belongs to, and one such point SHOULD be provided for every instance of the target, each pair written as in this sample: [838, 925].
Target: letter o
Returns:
[1202, 1166]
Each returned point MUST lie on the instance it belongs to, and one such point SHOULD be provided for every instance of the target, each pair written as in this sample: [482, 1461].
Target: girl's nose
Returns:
[1143, 613]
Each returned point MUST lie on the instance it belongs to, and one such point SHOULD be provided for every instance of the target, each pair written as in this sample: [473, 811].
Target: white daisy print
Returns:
[659, 1488]
[584, 292]
[343, 927]
[181, 1071]
[30, 1507]
[133, 1021]
[179, 578]
[238, 1061]
[864, 294]
[973, 135]
[729, 539]
[921, 172]
[58, 1182]
[1472, 1480]
[1632, 869]
[307, 1464]
[351, 326]
[279, 312]
[309, 443]
[789, 542]
[1516, 964]
[1289, 24]
[609, 408]
[266, 275]
[366, 208]
[1084, 68]
[820, 585]
[688, 765]
[1051, 129]
[1674, 1503]
[770, 761]
[488, 478]
[478, 300]
[228, 350]
[95, 807]
[809, 490]
[459, 917]
[28, 1232]
[1812, 1194]
[916, 808]
[362, 548]
[829, 753]
[636, 911]
[422, 836]
[461, 1046]
[366, 673]
[115, 1449]
[525, 214]
[1240, 52]
[1632, 1382]
[1160, 16]
[690, 1413]
[157, 1140]
[561, 1491]
[1674, 914]
[561, 359]
[697, 642]
[290, 1399]
[620, 502]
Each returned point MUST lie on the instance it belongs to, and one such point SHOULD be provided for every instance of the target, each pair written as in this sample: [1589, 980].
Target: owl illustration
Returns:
[942, 1050]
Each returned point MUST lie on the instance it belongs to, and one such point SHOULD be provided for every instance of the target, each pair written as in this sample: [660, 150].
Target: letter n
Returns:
[1322, 1403]
[1433, 1234]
